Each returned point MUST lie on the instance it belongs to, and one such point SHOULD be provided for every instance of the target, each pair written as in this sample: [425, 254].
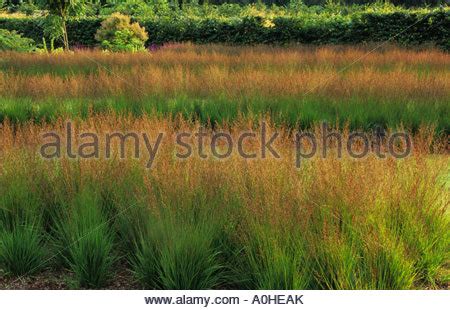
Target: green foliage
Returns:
[252, 25]
[174, 256]
[276, 260]
[57, 7]
[136, 8]
[27, 8]
[63, 9]
[145, 263]
[123, 41]
[86, 241]
[118, 34]
[427, 240]
[21, 250]
[52, 27]
[180, 248]
[20, 201]
[12, 41]
[359, 113]
[109, 7]
[189, 259]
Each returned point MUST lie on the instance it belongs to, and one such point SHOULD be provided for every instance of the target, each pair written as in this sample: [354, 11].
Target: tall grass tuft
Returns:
[145, 262]
[125, 205]
[21, 250]
[176, 256]
[422, 224]
[86, 241]
[391, 268]
[189, 260]
[20, 200]
[277, 260]
[182, 245]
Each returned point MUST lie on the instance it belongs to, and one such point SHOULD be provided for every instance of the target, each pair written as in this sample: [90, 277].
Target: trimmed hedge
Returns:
[400, 27]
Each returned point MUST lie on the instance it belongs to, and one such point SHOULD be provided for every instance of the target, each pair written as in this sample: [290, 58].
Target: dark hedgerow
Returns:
[406, 28]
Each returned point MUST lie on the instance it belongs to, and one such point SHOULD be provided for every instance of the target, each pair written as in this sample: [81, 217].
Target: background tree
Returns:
[62, 9]
[53, 30]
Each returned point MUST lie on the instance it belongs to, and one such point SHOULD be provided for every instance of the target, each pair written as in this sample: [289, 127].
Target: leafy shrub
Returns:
[12, 41]
[118, 34]
[131, 8]
[90, 9]
[27, 8]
